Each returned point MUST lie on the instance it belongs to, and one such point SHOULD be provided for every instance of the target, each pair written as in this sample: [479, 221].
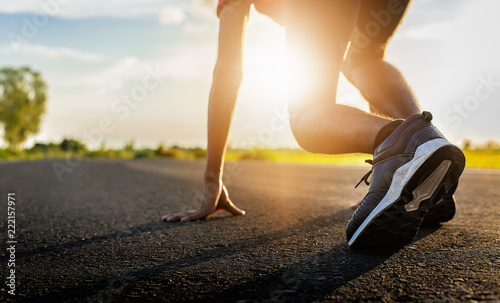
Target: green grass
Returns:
[482, 158]
[54, 152]
[295, 156]
[479, 158]
[475, 158]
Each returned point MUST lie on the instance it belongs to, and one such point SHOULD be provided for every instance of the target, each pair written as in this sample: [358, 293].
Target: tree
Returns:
[492, 145]
[22, 104]
[130, 146]
[74, 146]
[467, 145]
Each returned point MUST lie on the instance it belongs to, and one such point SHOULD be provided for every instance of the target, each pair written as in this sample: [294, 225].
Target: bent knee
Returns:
[357, 58]
[303, 135]
[305, 142]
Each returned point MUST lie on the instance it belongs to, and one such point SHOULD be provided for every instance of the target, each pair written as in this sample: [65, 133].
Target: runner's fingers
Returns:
[177, 216]
[195, 216]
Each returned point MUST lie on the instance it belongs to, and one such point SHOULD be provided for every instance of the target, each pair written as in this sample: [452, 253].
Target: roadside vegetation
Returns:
[483, 155]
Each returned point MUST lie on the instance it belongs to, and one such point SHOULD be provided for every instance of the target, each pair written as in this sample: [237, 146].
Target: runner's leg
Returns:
[380, 83]
[318, 32]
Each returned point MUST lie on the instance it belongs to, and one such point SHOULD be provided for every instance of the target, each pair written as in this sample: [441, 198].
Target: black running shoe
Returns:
[442, 211]
[413, 169]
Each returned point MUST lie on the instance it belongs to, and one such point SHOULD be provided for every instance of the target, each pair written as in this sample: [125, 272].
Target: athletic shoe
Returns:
[413, 169]
[442, 211]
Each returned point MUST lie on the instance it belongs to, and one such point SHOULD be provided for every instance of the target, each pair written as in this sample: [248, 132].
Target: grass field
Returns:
[475, 158]
[482, 158]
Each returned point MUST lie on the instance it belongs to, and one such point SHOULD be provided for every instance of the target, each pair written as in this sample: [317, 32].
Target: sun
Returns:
[265, 72]
[265, 81]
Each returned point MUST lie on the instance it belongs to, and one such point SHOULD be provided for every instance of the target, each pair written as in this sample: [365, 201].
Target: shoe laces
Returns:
[367, 175]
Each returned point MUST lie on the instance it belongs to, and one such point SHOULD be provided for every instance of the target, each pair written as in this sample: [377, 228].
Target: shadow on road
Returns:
[310, 279]
[313, 278]
[56, 248]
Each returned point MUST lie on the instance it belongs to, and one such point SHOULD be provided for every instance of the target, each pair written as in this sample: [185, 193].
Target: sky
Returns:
[122, 70]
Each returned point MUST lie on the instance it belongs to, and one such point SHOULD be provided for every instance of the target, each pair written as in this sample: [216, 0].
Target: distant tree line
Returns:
[76, 148]
[490, 145]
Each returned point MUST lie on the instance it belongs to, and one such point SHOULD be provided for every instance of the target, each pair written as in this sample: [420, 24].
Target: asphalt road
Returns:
[96, 236]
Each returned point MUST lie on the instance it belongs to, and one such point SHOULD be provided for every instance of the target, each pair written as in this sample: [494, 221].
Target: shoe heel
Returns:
[429, 186]
[456, 169]
[439, 180]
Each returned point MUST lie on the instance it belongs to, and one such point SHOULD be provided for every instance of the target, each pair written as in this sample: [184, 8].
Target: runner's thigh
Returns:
[317, 34]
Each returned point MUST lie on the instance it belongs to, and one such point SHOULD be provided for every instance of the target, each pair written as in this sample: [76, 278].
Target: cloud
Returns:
[172, 15]
[197, 29]
[205, 9]
[91, 8]
[177, 11]
[188, 62]
[55, 52]
[430, 12]
[18, 6]
[108, 78]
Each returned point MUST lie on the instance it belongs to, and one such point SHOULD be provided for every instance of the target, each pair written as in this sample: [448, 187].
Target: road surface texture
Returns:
[96, 236]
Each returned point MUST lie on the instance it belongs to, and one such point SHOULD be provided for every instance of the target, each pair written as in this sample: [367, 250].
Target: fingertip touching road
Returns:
[95, 235]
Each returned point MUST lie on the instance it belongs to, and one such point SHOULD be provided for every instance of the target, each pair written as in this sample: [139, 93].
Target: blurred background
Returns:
[137, 74]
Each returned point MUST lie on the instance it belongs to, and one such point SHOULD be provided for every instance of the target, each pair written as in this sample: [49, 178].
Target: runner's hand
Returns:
[216, 198]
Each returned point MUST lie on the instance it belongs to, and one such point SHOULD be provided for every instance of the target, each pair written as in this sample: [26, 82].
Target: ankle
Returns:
[385, 132]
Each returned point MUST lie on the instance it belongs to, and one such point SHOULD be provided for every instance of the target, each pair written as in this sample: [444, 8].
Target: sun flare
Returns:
[265, 74]
[265, 80]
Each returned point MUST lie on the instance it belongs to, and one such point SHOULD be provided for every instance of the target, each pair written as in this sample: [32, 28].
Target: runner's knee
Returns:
[301, 124]
[358, 58]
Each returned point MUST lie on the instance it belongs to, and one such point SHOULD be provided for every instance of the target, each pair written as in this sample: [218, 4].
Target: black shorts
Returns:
[319, 26]
[376, 24]
[325, 37]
